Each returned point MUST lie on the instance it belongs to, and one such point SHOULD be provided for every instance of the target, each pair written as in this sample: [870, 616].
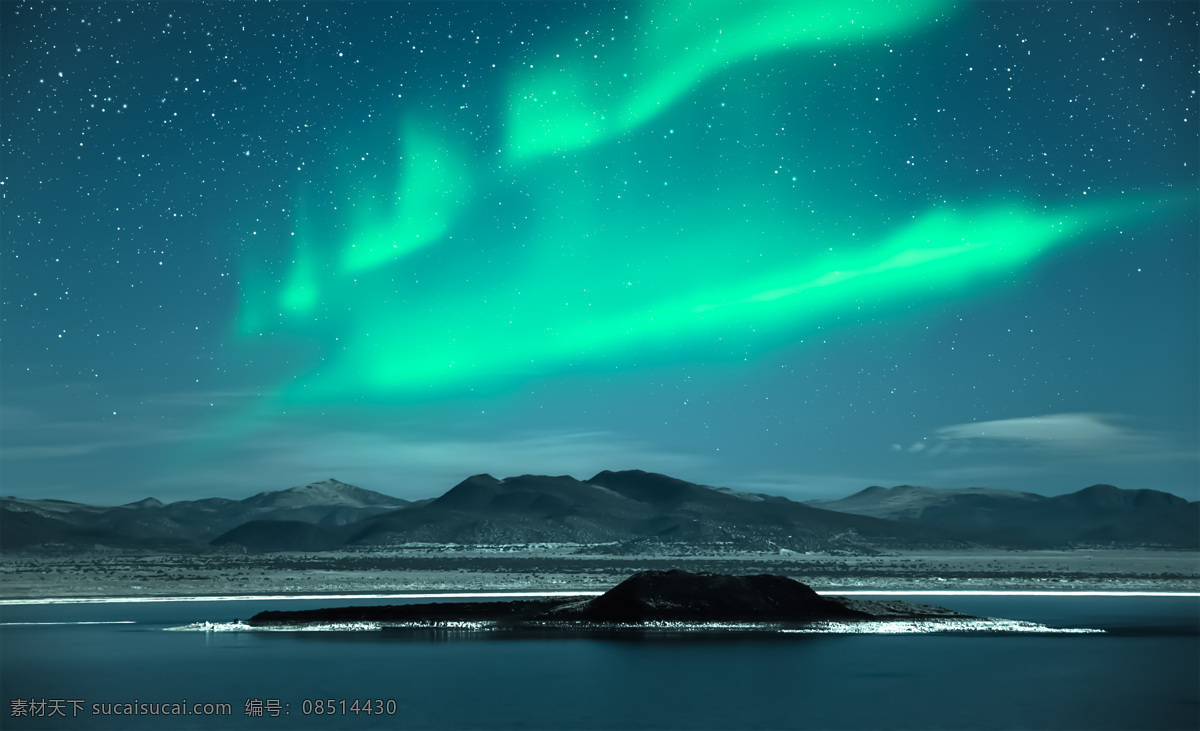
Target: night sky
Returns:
[790, 248]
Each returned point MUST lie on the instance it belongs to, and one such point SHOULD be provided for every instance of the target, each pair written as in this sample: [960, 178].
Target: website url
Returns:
[45, 707]
[182, 708]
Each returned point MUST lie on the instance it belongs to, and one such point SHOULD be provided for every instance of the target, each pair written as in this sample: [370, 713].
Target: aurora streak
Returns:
[433, 286]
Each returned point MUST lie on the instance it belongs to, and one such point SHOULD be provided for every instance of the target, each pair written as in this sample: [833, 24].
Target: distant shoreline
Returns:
[515, 595]
[471, 571]
[288, 597]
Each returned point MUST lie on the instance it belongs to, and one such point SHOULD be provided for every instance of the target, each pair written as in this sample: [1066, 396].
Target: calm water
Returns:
[1143, 674]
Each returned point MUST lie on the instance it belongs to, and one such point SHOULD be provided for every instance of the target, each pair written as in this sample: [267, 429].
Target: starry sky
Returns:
[795, 248]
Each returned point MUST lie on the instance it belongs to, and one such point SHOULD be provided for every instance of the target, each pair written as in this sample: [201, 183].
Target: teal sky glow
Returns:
[788, 247]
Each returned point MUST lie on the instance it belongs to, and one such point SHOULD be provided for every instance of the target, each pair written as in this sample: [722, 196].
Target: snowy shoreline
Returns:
[975, 625]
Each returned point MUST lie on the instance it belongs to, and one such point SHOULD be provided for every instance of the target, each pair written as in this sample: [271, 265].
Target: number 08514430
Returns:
[333, 707]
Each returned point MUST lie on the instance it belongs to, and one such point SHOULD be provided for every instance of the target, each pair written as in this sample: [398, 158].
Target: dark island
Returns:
[645, 599]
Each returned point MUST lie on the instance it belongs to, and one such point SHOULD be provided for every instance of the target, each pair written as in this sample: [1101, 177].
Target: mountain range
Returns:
[619, 512]
[1096, 515]
[187, 523]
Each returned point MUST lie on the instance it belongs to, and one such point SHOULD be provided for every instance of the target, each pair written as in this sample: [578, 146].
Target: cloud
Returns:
[50, 451]
[1053, 431]
[1071, 434]
[85, 427]
[47, 440]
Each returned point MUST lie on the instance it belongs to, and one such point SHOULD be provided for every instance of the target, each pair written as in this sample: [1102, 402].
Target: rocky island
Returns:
[646, 599]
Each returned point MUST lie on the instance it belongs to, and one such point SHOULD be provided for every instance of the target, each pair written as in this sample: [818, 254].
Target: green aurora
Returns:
[579, 99]
[585, 242]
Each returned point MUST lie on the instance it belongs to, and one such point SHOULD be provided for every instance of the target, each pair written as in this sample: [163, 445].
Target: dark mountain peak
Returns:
[208, 504]
[539, 481]
[525, 496]
[482, 479]
[329, 487]
[470, 494]
[1108, 496]
[683, 596]
[330, 484]
[872, 490]
[605, 474]
[647, 487]
[878, 492]
[329, 493]
[146, 503]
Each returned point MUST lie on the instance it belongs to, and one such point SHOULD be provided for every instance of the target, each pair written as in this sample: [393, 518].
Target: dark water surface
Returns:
[1144, 673]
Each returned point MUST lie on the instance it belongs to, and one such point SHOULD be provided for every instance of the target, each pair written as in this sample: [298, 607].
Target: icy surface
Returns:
[906, 627]
[929, 626]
